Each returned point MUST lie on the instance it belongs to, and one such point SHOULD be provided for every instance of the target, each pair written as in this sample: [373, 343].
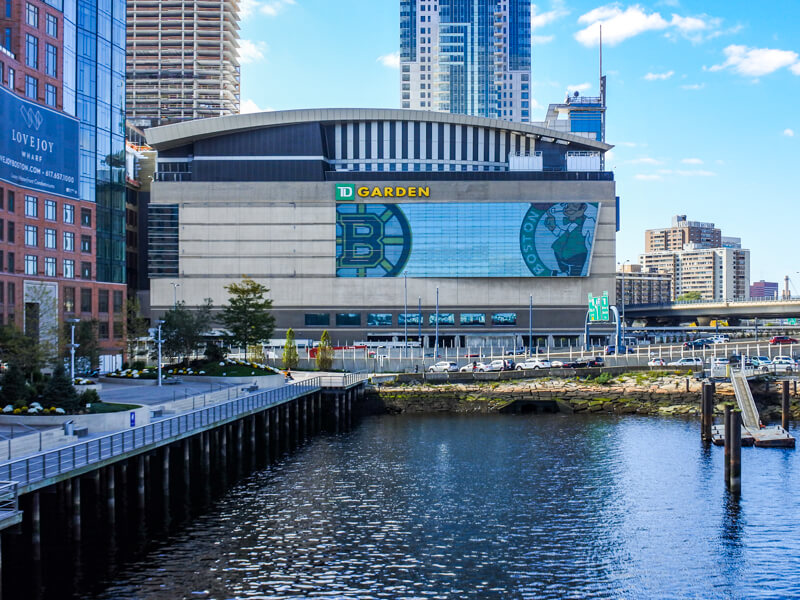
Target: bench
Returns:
[80, 431]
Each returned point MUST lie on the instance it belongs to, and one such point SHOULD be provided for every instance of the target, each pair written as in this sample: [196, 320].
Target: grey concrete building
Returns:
[356, 218]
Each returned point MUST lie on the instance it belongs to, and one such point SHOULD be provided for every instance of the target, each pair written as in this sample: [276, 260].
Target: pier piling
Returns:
[706, 418]
[785, 406]
[728, 413]
[736, 452]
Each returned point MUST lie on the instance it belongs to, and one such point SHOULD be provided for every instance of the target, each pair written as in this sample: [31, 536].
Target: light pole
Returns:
[622, 325]
[175, 287]
[530, 324]
[405, 314]
[159, 341]
[72, 347]
[436, 343]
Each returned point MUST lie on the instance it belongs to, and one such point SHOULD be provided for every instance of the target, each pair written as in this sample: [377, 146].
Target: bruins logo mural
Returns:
[372, 240]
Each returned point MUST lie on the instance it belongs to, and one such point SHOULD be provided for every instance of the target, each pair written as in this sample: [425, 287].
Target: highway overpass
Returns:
[703, 312]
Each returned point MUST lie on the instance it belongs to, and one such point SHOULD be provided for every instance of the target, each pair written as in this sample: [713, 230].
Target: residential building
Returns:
[139, 169]
[764, 289]
[467, 57]
[321, 207]
[182, 61]
[682, 232]
[637, 285]
[717, 274]
[62, 170]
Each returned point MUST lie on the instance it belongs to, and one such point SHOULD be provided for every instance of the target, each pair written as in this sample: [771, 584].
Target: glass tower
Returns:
[94, 92]
[467, 56]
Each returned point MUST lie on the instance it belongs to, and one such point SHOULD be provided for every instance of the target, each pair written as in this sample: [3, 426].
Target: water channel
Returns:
[490, 507]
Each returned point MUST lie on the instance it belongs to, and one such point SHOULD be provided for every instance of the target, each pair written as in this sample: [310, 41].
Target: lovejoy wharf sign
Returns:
[38, 147]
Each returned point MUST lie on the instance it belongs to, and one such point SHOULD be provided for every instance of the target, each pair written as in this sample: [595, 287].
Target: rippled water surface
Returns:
[492, 507]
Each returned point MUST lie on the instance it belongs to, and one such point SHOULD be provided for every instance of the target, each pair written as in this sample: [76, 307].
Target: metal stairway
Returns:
[744, 397]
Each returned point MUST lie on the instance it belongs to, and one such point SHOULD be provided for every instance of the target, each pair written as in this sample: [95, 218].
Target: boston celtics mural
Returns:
[465, 239]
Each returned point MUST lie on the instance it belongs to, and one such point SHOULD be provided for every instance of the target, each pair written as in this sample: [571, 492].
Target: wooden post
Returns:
[336, 414]
[705, 421]
[736, 452]
[76, 508]
[785, 406]
[165, 484]
[111, 491]
[687, 385]
[187, 467]
[140, 487]
[266, 436]
[287, 434]
[36, 527]
[252, 460]
[298, 438]
[727, 444]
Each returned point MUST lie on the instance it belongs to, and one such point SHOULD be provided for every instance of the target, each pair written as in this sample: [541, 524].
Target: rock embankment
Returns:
[648, 393]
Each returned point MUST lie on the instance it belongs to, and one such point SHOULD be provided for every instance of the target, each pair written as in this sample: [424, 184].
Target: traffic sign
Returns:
[598, 307]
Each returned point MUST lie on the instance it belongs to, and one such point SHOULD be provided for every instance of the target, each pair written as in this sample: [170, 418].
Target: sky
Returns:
[703, 99]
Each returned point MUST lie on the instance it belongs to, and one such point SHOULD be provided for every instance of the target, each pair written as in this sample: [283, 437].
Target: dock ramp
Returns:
[744, 397]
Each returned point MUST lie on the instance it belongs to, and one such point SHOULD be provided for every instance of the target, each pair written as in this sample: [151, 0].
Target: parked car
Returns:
[520, 350]
[782, 339]
[622, 350]
[534, 363]
[557, 364]
[443, 366]
[473, 367]
[720, 339]
[585, 361]
[783, 364]
[656, 362]
[687, 361]
[703, 343]
[759, 361]
[501, 364]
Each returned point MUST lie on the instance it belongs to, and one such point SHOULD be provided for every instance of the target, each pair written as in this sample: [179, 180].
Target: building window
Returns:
[50, 210]
[31, 87]
[31, 51]
[447, 319]
[348, 319]
[31, 206]
[69, 214]
[12, 294]
[50, 239]
[102, 330]
[31, 264]
[69, 268]
[2, 294]
[49, 266]
[86, 217]
[473, 319]
[51, 60]
[504, 319]
[86, 300]
[10, 201]
[12, 80]
[50, 94]
[31, 235]
[317, 319]
[117, 326]
[102, 302]
[52, 25]
[69, 241]
[379, 320]
[11, 263]
[86, 270]
[2, 230]
[86, 244]
[117, 302]
[11, 232]
[32, 15]
[69, 299]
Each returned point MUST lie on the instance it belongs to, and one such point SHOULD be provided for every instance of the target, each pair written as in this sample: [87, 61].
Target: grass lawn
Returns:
[109, 407]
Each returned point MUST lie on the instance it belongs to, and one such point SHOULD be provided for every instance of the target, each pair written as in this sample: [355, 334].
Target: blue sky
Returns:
[703, 99]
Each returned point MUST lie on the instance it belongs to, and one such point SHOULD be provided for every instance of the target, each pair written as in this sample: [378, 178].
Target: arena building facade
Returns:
[357, 220]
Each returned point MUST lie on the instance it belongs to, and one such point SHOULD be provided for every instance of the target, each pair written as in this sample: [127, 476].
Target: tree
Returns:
[290, 358]
[247, 315]
[325, 352]
[60, 392]
[183, 329]
[88, 350]
[690, 297]
[19, 349]
[137, 326]
[14, 388]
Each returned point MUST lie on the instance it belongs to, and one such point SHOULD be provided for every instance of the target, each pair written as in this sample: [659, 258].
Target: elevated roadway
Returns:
[704, 312]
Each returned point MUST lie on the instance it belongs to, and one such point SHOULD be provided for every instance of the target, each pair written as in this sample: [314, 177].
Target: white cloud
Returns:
[540, 19]
[272, 7]
[249, 106]
[620, 25]
[755, 62]
[693, 86]
[643, 177]
[645, 160]
[692, 161]
[580, 87]
[247, 8]
[250, 51]
[538, 40]
[390, 60]
[659, 76]
[788, 132]
[628, 144]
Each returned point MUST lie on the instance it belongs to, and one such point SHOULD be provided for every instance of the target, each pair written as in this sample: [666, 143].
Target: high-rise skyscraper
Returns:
[467, 56]
[182, 60]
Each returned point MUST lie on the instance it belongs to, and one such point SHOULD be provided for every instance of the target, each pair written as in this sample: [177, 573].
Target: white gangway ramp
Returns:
[744, 397]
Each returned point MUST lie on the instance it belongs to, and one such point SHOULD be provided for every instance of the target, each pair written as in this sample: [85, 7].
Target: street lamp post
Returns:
[159, 341]
[622, 324]
[436, 343]
[72, 347]
[405, 314]
[175, 287]
[530, 324]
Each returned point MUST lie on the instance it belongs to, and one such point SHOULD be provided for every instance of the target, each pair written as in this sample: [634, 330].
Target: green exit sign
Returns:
[792, 321]
[598, 308]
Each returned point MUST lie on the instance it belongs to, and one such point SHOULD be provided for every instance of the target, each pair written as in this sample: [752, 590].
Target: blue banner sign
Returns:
[465, 239]
[38, 147]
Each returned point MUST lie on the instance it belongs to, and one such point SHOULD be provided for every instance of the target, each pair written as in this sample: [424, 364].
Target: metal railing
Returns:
[38, 467]
[9, 497]
[345, 380]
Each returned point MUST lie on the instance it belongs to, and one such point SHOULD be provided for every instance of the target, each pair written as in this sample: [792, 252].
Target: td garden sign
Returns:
[348, 191]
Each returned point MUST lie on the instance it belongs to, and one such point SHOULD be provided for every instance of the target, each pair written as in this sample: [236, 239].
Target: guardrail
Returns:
[38, 467]
[9, 497]
[345, 380]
